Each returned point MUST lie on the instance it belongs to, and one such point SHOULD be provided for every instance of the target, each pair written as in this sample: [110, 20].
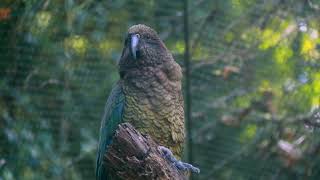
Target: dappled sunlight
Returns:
[43, 19]
[248, 133]
[76, 43]
[178, 47]
[107, 46]
[282, 54]
[269, 38]
[308, 47]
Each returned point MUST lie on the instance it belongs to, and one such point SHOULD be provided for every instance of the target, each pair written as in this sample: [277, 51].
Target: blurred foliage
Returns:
[255, 83]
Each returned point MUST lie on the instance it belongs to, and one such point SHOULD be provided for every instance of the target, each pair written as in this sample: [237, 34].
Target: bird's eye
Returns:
[138, 35]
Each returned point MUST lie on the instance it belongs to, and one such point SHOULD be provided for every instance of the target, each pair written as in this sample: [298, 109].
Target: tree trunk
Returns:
[135, 156]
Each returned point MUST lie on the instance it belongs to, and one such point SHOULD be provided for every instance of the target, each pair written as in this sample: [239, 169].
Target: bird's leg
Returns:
[179, 164]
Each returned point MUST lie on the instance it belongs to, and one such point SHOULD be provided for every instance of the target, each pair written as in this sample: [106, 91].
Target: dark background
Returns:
[254, 83]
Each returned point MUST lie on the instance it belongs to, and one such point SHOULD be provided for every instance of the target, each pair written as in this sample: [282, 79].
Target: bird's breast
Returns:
[155, 107]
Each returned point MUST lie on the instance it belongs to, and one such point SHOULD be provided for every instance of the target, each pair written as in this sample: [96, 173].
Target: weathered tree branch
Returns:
[135, 156]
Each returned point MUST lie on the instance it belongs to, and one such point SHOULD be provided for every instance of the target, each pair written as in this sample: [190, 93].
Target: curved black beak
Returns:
[134, 45]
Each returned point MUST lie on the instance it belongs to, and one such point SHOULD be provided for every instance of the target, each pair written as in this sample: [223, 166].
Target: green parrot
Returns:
[148, 95]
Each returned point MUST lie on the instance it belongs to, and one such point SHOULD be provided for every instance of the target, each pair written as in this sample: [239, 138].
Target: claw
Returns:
[179, 164]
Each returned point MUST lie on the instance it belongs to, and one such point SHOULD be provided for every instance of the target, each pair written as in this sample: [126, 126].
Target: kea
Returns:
[148, 95]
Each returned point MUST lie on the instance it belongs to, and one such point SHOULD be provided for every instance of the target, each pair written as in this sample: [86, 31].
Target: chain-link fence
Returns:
[253, 72]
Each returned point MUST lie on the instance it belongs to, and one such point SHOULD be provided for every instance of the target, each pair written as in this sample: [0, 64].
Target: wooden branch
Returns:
[133, 156]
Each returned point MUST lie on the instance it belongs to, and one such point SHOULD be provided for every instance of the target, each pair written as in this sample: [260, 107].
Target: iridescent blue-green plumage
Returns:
[111, 119]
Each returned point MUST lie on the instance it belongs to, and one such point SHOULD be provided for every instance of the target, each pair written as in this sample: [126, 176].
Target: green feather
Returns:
[111, 119]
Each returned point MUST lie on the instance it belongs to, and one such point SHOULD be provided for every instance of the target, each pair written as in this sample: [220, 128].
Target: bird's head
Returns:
[142, 48]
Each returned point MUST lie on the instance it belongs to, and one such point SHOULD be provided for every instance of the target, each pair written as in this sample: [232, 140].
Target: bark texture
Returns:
[132, 155]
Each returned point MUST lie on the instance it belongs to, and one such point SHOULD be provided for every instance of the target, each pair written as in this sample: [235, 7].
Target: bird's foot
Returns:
[178, 164]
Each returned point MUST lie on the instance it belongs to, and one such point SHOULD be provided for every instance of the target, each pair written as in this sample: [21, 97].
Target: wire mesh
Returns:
[254, 83]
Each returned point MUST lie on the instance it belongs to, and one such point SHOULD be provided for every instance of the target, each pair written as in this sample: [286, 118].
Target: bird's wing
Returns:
[111, 119]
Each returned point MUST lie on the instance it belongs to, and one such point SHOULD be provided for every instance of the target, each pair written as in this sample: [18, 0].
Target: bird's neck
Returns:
[153, 83]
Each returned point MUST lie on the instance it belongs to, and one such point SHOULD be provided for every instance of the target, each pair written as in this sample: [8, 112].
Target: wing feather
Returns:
[111, 119]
